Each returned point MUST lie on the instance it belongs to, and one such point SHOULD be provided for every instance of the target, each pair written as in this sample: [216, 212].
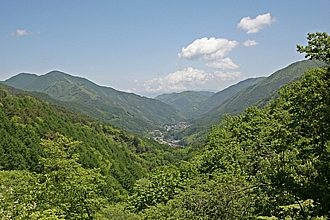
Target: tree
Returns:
[318, 47]
[64, 184]
[61, 189]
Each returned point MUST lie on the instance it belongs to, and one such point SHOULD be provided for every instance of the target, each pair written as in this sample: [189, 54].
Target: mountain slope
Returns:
[257, 94]
[256, 165]
[186, 102]
[25, 120]
[261, 92]
[220, 97]
[125, 110]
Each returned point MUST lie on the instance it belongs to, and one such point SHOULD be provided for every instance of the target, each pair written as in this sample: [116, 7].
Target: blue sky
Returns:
[153, 46]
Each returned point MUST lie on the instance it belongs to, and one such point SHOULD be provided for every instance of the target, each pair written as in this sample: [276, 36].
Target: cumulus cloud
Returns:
[254, 25]
[227, 76]
[225, 63]
[186, 79]
[250, 43]
[208, 47]
[212, 50]
[20, 33]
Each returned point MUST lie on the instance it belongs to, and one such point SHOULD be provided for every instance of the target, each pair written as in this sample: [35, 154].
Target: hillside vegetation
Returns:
[258, 94]
[271, 161]
[125, 110]
[220, 97]
[265, 163]
[25, 120]
[187, 102]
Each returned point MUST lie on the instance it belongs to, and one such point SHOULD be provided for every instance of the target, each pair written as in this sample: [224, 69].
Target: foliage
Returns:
[318, 47]
[187, 102]
[251, 93]
[116, 211]
[159, 188]
[264, 163]
[122, 157]
[125, 110]
[62, 189]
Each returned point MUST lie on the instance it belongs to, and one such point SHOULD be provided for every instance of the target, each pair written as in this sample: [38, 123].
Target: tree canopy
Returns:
[318, 47]
[270, 162]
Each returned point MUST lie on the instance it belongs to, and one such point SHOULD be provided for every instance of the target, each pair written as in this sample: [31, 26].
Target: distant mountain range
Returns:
[140, 114]
[25, 120]
[125, 110]
[251, 92]
[187, 102]
[193, 104]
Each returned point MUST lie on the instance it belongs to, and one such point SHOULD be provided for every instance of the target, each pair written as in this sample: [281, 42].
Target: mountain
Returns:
[26, 121]
[220, 97]
[125, 110]
[256, 95]
[186, 102]
[53, 157]
[193, 104]
[254, 165]
[262, 91]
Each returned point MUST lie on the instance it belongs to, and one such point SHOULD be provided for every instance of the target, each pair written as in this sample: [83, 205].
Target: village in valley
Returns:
[169, 134]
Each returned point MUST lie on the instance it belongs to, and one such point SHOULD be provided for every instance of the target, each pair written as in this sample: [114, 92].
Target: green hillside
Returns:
[25, 120]
[269, 163]
[193, 104]
[186, 102]
[220, 97]
[264, 90]
[255, 95]
[125, 110]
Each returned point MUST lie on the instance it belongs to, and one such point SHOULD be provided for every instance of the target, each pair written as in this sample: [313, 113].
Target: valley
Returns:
[161, 118]
[154, 110]
[168, 134]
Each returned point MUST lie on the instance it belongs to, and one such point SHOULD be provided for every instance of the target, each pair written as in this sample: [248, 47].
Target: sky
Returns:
[151, 47]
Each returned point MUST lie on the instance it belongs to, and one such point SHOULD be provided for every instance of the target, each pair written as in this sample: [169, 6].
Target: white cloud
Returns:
[254, 25]
[187, 79]
[250, 43]
[227, 76]
[20, 33]
[212, 50]
[225, 63]
[206, 47]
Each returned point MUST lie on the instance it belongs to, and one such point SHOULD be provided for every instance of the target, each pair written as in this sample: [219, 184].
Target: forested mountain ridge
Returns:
[125, 110]
[40, 140]
[270, 162]
[220, 97]
[264, 90]
[265, 163]
[255, 95]
[186, 102]
[25, 120]
[193, 104]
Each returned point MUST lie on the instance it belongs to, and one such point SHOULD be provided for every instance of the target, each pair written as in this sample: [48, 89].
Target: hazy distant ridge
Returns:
[126, 110]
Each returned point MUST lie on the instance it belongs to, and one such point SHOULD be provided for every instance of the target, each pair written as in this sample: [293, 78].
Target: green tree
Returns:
[160, 187]
[61, 189]
[318, 47]
[65, 185]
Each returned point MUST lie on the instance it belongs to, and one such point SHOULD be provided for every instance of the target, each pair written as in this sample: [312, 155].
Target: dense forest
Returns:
[33, 132]
[125, 110]
[269, 162]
